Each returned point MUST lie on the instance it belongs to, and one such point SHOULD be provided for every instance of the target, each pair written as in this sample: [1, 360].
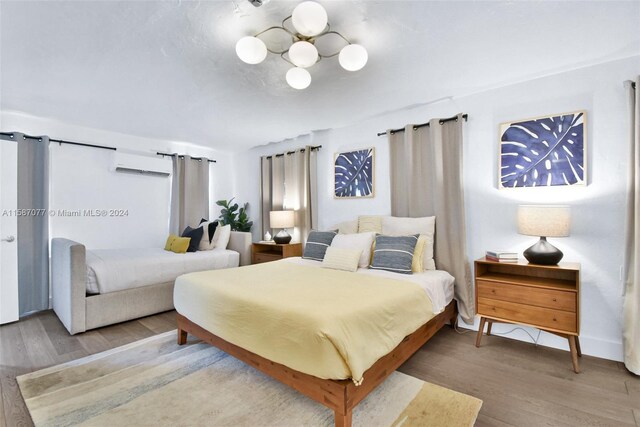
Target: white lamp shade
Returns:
[544, 221]
[251, 50]
[281, 219]
[309, 18]
[353, 57]
[303, 54]
[298, 78]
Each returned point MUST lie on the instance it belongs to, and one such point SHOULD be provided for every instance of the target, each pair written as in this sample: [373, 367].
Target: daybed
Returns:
[135, 288]
[331, 335]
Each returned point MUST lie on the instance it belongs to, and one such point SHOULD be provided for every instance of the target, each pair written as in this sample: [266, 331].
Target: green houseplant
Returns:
[234, 215]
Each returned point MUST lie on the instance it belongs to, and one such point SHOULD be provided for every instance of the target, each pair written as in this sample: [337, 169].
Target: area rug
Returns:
[155, 382]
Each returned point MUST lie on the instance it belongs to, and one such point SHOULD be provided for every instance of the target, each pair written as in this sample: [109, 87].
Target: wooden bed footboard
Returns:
[340, 395]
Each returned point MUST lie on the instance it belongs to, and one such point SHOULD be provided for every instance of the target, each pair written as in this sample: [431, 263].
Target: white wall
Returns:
[83, 178]
[597, 235]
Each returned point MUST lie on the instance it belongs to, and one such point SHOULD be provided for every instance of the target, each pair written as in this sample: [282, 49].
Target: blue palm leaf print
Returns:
[543, 152]
[354, 174]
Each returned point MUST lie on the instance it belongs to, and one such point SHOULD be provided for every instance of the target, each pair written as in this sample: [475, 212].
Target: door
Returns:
[8, 231]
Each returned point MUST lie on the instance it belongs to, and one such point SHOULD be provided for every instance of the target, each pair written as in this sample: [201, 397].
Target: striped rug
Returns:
[155, 382]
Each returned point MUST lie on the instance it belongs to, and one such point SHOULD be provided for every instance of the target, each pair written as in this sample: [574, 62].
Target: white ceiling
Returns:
[168, 69]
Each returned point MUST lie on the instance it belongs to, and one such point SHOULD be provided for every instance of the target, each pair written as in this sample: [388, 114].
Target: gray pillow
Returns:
[317, 244]
[394, 253]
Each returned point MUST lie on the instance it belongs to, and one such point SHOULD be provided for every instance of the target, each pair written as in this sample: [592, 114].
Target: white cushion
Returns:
[347, 227]
[358, 241]
[425, 226]
[221, 236]
[204, 242]
[341, 258]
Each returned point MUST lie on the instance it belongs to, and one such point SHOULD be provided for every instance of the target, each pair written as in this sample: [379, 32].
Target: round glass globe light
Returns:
[309, 18]
[303, 54]
[353, 57]
[298, 78]
[251, 50]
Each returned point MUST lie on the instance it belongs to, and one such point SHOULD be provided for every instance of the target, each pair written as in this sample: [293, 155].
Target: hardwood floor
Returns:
[520, 384]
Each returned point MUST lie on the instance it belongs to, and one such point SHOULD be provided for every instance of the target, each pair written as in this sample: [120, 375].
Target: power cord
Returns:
[535, 340]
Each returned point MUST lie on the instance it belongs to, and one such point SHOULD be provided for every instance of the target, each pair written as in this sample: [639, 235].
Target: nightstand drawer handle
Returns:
[555, 300]
[493, 291]
[555, 320]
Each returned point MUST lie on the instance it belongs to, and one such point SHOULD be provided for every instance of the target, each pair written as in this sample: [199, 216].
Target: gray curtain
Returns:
[33, 227]
[265, 194]
[426, 180]
[189, 193]
[631, 311]
[289, 181]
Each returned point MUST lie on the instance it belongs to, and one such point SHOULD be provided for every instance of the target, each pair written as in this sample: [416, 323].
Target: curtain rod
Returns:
[182, 156]
[61, 141]
[317, 147]
[450, 119]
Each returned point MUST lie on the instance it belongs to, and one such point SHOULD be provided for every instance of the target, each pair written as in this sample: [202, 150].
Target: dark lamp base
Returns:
[282, 238]
[543, 253]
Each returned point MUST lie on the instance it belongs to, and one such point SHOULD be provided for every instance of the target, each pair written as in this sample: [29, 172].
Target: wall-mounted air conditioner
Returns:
[141, 165]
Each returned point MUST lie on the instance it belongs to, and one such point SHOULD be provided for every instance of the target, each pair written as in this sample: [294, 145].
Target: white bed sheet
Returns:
[111, 270]
[438, 284]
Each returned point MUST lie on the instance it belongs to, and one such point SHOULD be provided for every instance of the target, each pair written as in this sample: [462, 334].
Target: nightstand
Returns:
[265, 252]
[546, 297]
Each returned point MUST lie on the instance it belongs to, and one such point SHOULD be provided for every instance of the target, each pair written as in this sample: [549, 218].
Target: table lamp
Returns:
[543, 221]
[283, 220]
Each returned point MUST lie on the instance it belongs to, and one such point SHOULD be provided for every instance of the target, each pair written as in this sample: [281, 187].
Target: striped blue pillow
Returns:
[394, 253]
[317, 244]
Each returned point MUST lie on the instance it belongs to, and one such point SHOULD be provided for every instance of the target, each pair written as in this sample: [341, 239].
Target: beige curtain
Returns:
[189, 193]
[289, 181]
[426, 179]
[300, 183]
[631, 312]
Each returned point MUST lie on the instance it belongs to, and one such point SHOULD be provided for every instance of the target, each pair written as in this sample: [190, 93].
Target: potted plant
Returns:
[234, 215]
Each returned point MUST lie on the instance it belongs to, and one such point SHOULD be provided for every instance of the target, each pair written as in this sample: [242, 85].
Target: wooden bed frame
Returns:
[340, 395]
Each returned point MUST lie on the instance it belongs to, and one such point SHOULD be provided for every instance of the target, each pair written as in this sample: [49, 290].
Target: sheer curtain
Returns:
[426, 180]
[631, 312]
[189, 193]
[289, 181]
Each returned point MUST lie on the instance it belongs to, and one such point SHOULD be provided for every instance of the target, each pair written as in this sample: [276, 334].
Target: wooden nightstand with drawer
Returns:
[265, 252]
[543, 296]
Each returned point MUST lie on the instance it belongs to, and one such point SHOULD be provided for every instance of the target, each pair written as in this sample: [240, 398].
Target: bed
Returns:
[331, 335]
[91, 289]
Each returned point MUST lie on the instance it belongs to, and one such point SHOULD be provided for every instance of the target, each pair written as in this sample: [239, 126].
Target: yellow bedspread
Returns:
[327, 323]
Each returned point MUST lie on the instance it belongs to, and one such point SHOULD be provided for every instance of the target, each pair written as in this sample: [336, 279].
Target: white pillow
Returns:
[425, 226]
[359, 241]
[204, 243]
[347, 227]
[221, 237]
[341, 259]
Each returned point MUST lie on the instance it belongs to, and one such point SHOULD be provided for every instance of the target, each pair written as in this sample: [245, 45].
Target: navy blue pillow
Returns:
[196, 235]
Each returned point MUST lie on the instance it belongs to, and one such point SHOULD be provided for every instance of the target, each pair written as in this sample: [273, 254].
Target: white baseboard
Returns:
[592, 346]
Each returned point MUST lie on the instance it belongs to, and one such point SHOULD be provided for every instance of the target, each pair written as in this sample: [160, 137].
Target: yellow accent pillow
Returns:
[369, 223]
[177, 244]
[170, 239]
[417, 264]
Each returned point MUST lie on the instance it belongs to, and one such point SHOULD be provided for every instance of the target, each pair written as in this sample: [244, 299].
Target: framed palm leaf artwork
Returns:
[544, 151]
[354, 174]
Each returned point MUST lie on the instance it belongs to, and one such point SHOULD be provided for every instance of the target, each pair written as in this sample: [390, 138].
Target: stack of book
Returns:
[502, 256]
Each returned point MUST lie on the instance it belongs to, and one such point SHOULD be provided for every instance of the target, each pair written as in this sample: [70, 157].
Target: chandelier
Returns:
[310, 22]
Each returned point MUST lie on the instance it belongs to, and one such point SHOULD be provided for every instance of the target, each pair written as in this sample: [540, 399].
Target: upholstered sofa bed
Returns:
[81, 309]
